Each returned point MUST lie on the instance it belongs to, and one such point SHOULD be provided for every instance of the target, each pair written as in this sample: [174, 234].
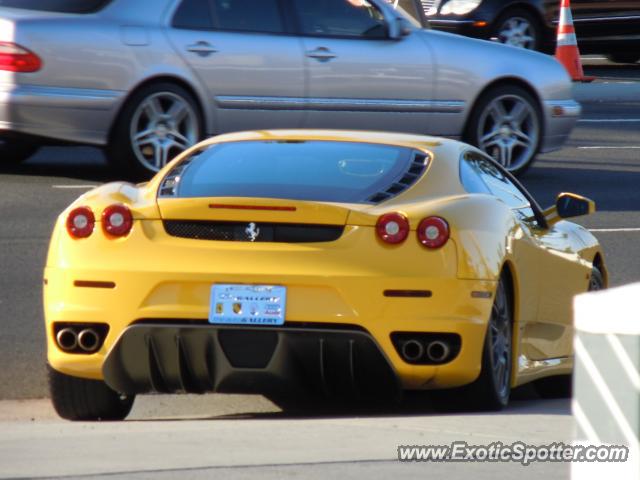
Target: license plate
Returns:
[248, 304]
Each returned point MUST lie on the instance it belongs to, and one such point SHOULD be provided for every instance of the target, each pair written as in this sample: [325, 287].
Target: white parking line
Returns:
[609, 120]
[72, 187]
[624, 147]
[613, 230]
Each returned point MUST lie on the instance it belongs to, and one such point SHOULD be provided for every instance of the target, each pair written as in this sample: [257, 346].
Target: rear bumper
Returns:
[560, 117]
[62, 114]
[178, 358]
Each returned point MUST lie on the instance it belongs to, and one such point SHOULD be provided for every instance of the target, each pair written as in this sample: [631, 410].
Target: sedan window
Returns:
[341, 18]
[259, 16]
[193, 15]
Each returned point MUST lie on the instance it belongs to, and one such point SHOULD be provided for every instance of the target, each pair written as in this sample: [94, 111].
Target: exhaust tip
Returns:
[438, 351]
[88, 340]
[412, 350]
[67, 339]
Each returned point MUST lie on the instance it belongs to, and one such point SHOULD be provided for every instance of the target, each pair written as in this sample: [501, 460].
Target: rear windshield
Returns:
[297, 170]
[62, 6]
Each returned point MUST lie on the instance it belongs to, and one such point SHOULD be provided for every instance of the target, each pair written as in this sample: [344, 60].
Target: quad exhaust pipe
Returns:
[88, 340]
[69, 339]
[412, 350]
[436, 351]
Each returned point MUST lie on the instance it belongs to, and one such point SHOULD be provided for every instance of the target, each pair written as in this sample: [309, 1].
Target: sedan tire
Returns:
[157, 123]
[506, 123]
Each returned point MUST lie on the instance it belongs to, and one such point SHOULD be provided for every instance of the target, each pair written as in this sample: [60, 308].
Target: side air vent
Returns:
[413, 173]
[169, 187]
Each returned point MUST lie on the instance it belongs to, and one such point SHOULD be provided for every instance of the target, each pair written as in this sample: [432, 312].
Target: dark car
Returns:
[604, 27]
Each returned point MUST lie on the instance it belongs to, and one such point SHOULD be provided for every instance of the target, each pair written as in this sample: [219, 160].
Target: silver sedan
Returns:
[145, 79]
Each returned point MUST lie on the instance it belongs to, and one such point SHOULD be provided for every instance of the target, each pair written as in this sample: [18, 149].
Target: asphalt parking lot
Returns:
[601, 161]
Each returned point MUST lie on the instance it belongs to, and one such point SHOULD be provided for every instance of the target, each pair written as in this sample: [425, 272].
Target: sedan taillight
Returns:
[14, 58]
[392, 228]
[433, 232]
[80, 222]
[117, 220]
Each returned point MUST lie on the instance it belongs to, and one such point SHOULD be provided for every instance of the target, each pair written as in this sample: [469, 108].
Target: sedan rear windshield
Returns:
[62, 6]
[298, 170]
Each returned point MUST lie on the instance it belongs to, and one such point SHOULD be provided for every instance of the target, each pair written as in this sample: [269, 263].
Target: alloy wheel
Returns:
[518, 32]
[162, 126]
[508, 131]
[500, 342]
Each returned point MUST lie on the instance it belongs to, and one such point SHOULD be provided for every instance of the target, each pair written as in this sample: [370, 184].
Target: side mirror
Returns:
[571, 205]
[399, 27]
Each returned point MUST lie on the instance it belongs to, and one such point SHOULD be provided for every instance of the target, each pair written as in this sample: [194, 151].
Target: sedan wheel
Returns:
[518, 28]
[506, 125]
[163, 126]
[158, 123]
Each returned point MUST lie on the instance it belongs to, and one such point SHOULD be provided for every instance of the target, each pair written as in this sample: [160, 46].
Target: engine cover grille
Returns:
[253, 232]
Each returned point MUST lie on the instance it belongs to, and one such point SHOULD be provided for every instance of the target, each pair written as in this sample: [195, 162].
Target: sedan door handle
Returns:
[204, 49]
[322, 54]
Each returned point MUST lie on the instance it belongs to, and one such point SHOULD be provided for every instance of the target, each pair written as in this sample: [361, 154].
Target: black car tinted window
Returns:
[193, 15]
[499, 184]
[298, 170]
[62, 6]
[340, 18]
[260, 16]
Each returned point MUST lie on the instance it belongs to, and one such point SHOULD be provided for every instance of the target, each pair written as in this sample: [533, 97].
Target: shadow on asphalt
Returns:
[75, 163]
[524, 401]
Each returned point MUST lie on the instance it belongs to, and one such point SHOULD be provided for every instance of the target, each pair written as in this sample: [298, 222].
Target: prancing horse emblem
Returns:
[252, 231]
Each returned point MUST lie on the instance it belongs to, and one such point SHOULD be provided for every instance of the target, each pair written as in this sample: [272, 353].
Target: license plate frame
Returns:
[247, 304]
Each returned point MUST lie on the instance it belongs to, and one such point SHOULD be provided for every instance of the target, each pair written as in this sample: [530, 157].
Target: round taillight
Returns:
[393, 228]
[117, 220]
[80, 222]
[433, 232]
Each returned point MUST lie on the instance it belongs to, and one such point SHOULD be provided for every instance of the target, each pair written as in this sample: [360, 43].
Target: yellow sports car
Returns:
[334, 262]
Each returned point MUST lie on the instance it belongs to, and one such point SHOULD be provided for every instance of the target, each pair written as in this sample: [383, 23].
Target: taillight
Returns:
[14, 58]
[392, 228]
[117, 220]
[80, 222]
[433, 232]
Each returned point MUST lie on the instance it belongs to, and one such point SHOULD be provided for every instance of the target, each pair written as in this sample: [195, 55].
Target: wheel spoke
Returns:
[497, 112]
[519, 113]
[145, 137]
[490, 138]
[178, 112]
[153, 109]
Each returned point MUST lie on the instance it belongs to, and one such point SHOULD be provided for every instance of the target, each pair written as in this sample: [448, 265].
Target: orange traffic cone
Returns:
[567, 52]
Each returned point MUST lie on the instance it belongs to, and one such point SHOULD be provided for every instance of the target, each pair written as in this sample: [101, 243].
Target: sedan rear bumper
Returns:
[560, 116]
[65, 114]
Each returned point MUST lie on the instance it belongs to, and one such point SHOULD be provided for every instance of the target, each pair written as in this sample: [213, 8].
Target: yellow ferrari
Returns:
[341, 263]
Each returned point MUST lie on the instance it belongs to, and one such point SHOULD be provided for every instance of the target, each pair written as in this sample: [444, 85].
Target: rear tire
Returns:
[491, 391]
[15, 152]
[157, 123]
[81, 399]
